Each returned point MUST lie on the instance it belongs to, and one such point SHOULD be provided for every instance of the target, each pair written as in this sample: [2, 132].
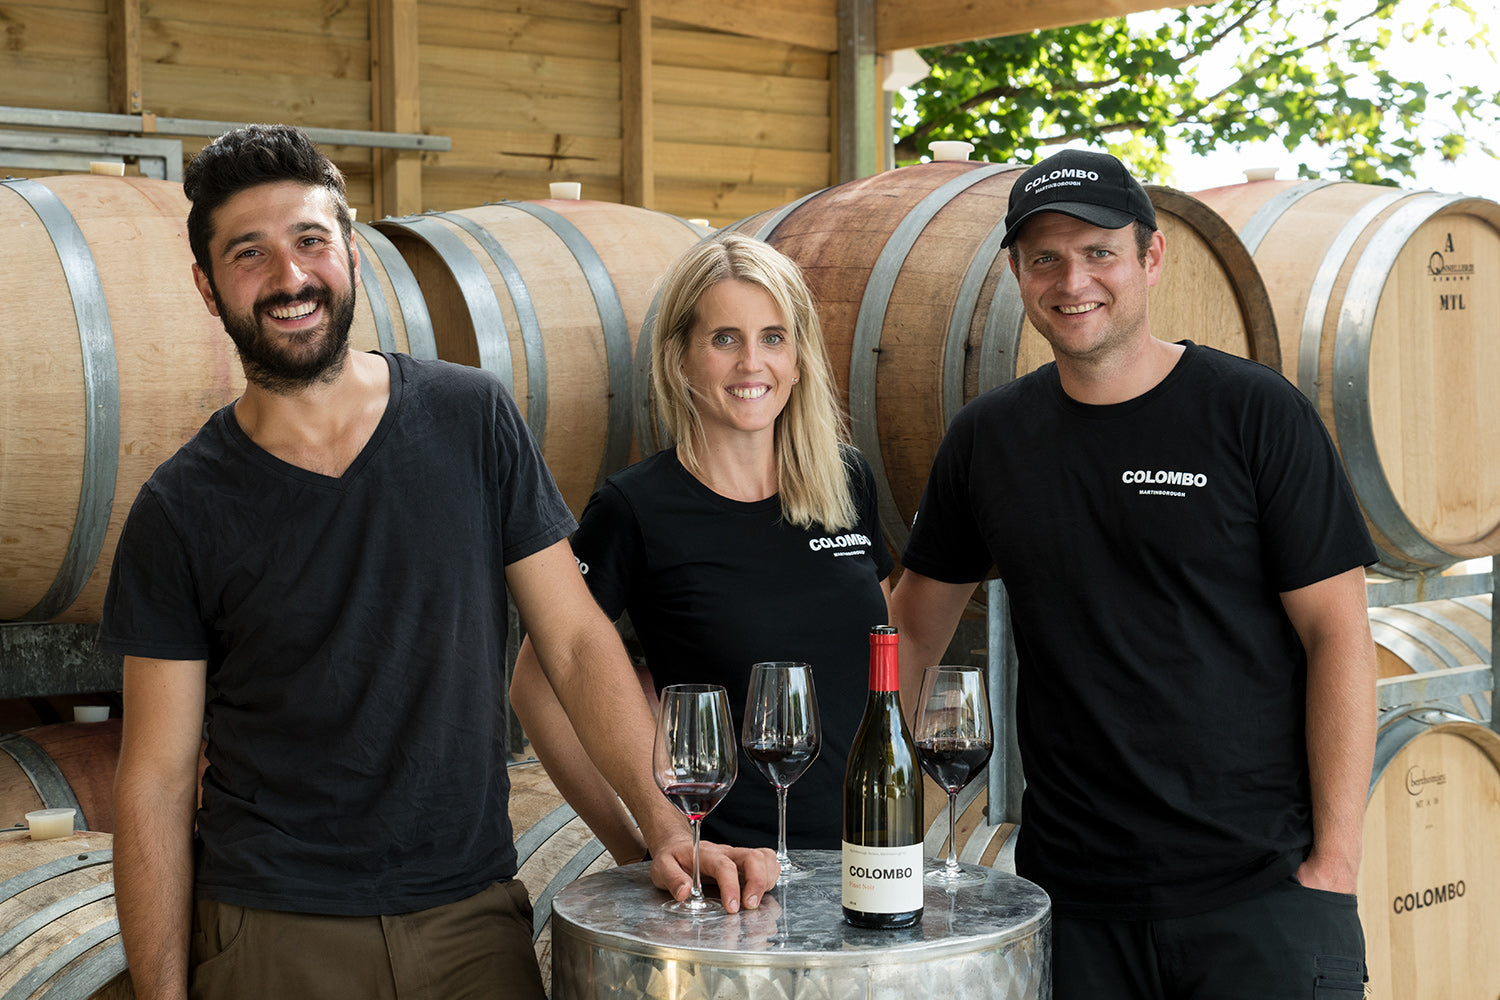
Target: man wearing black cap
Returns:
[1184, 559]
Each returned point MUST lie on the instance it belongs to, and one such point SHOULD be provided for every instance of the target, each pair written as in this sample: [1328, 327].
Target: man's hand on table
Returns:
[742, 873]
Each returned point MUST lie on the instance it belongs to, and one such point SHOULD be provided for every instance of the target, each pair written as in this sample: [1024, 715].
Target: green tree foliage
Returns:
[1231, 72]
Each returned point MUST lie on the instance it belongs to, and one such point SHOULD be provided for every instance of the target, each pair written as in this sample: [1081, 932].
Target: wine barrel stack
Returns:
[551, 295]
[1386, 304]
[1379, 304]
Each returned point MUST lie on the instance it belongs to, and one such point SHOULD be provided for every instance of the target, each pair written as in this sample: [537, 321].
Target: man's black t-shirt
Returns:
[1144, 546]
[354, 630]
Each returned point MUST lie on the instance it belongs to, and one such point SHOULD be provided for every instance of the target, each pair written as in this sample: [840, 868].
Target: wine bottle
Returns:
[882, 852]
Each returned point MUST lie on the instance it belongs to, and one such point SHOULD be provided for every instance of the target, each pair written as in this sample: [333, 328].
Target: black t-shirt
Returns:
[354, 630]
[1144, 546]
[714, 585]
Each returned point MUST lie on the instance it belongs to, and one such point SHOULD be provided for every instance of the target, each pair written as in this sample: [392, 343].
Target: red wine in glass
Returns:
[954, 742]
[782, 735]
[694, 760]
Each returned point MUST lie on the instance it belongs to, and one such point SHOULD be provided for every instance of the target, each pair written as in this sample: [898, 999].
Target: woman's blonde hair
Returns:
[811, 477]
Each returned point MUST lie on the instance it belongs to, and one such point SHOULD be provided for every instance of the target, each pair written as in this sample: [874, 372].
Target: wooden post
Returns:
[858, 143]
[124, 45]
[394, 78]
[637, 123]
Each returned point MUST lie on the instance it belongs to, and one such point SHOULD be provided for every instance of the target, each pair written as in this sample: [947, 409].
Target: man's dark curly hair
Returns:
[249, 156]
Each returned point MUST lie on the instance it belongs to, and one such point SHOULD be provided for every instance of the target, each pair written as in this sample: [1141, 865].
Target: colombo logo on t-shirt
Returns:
[1162, 477]
[851, 545]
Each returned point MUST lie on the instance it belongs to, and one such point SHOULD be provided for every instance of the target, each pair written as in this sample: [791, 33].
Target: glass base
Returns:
[938, 873]
[791, 871]
[701, 907]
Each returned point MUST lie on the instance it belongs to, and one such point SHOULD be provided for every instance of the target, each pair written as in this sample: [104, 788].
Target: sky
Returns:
[1475, 173]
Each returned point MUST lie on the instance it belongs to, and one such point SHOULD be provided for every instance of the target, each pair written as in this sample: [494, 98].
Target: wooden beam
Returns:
[910, 24]
[637, 121]
[811, 23]
[396, 104]
[857, 126]
[125, 57]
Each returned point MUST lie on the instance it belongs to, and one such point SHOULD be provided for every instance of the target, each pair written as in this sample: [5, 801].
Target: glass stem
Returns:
[697, 885]
[781, 855]
[952, 831]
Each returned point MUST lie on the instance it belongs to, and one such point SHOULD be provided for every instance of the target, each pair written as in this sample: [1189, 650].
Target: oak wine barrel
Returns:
[551, 296]
[65, 765]
[1429, 879]
[553, 847]
[1385, 304]
[921, 312]
[111, 362]
[59, 936]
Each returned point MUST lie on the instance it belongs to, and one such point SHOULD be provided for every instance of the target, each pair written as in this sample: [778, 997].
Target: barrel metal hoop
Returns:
[539, 832]
[574, 867]
[385, 331]
[531, 327]
[1421, 656]
[1485, 609]
[679, 219]
[42, 771]
[65, 955]
[101, 394]
[1001, 350]
[1472, 642]
[490, 337]
[1391, 741]
[652, 435]
[419, 336]
[18, 884]
[23, 929]
[88, 979]
[1351, 380]
[962, 321]
[1310, 344]
[768, 228]
[615, 326]
[1259, 224]
[867, 330]
[477, 292]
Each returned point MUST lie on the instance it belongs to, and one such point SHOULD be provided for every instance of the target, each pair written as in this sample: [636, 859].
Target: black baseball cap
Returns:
[1093, 187]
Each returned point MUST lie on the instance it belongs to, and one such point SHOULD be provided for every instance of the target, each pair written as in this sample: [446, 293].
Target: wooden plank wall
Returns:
[530, 91]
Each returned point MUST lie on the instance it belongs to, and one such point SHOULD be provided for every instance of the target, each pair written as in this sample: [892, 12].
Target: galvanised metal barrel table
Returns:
[611, 938]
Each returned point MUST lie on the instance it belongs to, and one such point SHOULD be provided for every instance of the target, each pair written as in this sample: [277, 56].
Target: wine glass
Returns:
[782, 735]
[953, 745]
[695, 761]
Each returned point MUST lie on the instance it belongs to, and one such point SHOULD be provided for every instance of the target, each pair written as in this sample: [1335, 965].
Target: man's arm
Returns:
[156, 797]
[586, 664]
[1331, 619]
[926, 611]
[567, 764]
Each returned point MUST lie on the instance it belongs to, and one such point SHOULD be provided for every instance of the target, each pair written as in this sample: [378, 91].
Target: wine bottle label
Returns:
[882, 879]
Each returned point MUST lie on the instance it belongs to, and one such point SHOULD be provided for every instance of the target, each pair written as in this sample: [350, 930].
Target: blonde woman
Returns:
[753, 537]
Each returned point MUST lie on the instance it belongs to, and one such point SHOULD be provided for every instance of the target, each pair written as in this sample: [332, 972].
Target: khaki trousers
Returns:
[479, 947]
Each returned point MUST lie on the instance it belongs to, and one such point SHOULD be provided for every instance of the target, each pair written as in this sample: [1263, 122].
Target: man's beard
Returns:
[270, 365]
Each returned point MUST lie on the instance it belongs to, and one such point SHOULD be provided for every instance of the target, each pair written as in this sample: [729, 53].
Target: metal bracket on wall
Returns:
[158, 158]
[152, 125]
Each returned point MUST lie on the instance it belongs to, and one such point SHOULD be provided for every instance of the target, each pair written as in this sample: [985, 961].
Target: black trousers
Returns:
[1287, 943]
